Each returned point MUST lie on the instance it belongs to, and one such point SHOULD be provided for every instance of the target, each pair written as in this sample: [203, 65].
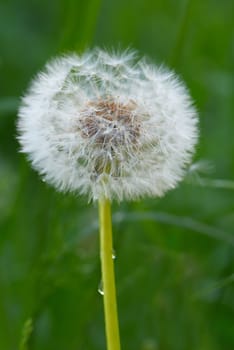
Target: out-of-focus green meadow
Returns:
[175, 256]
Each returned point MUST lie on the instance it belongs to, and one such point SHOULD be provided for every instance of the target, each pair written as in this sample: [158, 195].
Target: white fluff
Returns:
[145, 156]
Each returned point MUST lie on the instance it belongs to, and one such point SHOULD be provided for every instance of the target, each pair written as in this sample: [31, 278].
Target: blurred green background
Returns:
[175, 257]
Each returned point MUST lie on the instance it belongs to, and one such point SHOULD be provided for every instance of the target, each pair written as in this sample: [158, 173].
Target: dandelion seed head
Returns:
[108, 125]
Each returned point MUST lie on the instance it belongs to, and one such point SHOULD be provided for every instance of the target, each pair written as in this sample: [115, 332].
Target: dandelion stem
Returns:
[108, 278]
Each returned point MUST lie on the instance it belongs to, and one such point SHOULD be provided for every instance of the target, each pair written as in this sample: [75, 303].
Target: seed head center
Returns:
[111, 123]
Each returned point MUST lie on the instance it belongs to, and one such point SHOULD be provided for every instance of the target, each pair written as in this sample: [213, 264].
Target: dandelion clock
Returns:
[108, 126]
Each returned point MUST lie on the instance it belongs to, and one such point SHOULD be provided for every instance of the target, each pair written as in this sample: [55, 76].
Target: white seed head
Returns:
[108, 125]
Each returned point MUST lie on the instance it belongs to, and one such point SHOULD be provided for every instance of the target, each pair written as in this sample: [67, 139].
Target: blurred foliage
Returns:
[175, 255]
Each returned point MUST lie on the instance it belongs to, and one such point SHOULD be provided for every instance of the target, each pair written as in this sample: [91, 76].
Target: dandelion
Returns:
[108, 126]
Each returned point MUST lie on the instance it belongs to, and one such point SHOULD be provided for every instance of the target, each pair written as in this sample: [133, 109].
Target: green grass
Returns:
[175, 257]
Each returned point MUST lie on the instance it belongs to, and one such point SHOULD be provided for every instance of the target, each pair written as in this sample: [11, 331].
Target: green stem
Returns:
[108, 278]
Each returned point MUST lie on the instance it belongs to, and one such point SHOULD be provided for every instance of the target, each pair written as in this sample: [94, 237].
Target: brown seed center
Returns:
[111, 123]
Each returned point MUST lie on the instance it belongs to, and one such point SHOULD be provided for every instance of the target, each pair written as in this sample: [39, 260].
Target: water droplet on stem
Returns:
[100, 288]
[113, 254]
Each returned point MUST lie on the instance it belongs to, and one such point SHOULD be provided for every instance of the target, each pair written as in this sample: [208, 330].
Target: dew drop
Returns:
[100, 288]
[113, 254]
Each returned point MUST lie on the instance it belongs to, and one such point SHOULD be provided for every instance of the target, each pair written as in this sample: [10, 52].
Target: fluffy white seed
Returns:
[108, 125]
